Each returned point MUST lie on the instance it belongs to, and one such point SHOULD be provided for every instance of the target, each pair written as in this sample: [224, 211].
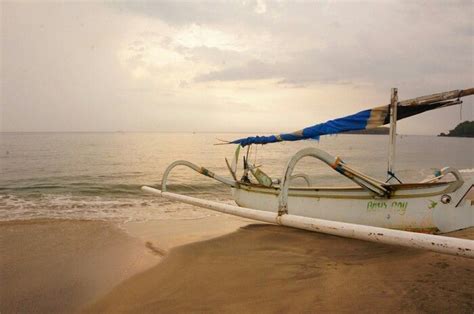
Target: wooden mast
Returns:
[392, 134]
[423, 100]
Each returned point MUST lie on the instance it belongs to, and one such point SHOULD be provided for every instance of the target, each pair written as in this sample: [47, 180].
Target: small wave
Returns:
[124, 202]
[101, 189]
[97, 208]
[197, 188]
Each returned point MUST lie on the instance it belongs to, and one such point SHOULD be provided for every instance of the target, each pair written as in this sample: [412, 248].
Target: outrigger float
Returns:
[406, 214]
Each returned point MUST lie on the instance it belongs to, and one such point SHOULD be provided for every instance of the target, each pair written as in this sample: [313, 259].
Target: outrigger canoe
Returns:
[406, 214]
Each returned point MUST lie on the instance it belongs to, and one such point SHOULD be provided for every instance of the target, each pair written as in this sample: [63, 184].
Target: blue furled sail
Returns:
[366, 119]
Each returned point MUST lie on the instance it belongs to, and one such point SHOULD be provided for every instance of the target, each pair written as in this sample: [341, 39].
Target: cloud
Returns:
[300, 44]
[178, 13]
[381, 45]
[253, 70]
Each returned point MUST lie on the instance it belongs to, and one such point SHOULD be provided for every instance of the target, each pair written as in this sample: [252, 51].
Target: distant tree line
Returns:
[463, 129]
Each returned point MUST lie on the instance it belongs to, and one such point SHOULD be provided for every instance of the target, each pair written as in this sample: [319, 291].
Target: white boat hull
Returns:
[414, 207]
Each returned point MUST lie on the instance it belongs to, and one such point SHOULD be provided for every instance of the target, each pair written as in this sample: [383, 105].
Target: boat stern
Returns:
[455, 210]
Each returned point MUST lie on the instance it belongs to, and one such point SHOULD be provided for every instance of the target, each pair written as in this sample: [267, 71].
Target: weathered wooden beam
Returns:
[423, 100]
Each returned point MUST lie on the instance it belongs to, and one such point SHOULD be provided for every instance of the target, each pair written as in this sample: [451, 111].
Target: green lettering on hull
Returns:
[401, 207]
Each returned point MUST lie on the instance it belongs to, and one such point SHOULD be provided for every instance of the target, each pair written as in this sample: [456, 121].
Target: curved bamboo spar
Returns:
[198, 169]
[440, 244]
[336, 163]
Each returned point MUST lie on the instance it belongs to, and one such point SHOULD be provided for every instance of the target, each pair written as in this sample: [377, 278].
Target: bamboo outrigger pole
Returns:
[440, 244]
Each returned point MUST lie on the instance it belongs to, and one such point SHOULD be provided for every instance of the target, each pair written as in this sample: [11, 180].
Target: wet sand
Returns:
[58, 266]
[272, 269]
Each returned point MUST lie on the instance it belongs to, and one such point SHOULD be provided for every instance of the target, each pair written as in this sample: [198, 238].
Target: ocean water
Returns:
[99, 175]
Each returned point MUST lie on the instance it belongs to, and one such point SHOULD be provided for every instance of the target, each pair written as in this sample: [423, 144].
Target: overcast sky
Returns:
[253, 66]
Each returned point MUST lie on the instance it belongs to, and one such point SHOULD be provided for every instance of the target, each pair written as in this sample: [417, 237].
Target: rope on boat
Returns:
[392, 176]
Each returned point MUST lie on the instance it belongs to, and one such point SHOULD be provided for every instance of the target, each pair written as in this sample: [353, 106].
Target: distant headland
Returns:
[463, 129]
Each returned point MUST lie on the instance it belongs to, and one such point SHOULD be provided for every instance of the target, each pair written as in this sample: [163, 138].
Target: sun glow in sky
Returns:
[195, 36]
[254, 66]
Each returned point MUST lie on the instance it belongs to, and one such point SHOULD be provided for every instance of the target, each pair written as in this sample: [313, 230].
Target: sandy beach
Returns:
[57, 266]
[63, 266]
[265, 268]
